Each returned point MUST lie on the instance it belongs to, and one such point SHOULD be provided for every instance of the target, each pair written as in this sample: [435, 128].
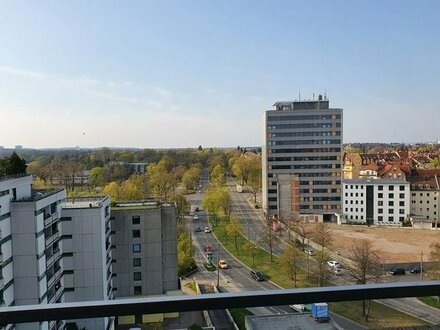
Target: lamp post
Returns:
[218, 267]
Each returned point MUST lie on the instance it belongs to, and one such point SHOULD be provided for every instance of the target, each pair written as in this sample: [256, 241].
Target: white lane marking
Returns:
[240, 285]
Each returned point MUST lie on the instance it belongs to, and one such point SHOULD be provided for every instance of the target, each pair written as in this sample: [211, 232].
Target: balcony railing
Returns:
[168, 304]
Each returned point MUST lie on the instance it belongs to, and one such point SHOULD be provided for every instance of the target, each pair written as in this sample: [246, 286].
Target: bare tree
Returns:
[321, 271]
[363, 267]
[322, 235]
[301, 229]
[269, 238]
[290, 261]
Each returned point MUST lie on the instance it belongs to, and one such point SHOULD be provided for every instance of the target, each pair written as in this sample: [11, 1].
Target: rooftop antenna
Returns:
[299, 95]
[313, 96]
[325, 95]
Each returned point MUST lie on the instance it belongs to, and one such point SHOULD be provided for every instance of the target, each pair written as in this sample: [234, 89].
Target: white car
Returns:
[337, 271]
[207, 230]
[196, 217]
[333, 264]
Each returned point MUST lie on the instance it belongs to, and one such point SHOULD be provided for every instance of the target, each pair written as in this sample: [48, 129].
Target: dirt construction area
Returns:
[394, 245]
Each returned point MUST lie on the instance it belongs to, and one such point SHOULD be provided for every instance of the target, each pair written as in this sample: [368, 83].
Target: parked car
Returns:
[397, 271]
[208, 248]
[309, 251]
[257, 275]
[196, 217]
[197, 229]
[222, 264]
[333, 264]
[415, 270]
[207, 230]
[337, 271]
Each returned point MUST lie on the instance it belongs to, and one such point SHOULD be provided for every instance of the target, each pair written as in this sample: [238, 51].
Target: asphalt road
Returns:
[237, 276]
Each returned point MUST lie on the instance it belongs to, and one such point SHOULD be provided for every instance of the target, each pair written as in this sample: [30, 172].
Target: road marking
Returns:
[240, 285]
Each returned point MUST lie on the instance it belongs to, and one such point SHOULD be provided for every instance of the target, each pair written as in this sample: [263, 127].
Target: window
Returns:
[391, 219]
[135, 220]
[390, 211]
[346, 209]
[136, 262]
[380, 203]
[136, 233]
[380, 195]
[401, 188]
[346, 201]
[346, 194]
[137, 276]
[380, 187]
[137, 290]
[380, 211]
[401, 195]
[390, 203]
[390, 188]
[136, 248]
[380, 218]
[401, 219]
[401, 203]
[402, 211]
[390, 195]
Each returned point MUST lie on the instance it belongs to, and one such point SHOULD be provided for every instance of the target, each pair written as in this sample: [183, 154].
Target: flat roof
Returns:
[287, 321]
[82, 203]
[375, 181]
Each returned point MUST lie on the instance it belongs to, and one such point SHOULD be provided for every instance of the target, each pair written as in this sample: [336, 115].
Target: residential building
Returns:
[32, 265]
[145, 249]
[425, 195]
[87, 254]
[302, 160]
[376, 202]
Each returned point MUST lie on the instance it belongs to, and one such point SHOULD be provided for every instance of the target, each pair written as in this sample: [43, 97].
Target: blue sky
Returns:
[184, 73]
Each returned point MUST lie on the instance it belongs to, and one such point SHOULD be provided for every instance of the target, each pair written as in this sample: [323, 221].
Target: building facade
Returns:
[302, 160]
[87, 254]
[376, 202]
[145, 249]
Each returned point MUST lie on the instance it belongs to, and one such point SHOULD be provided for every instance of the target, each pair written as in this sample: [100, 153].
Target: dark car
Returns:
[415, 270]
[257, 275]
[208, 248]
[397, 271]
[198, 229]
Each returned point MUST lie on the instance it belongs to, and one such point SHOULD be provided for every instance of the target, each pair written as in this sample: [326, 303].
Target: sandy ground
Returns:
[393, 244]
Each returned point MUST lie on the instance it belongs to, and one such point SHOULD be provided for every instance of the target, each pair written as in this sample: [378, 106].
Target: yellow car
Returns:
[222, 264]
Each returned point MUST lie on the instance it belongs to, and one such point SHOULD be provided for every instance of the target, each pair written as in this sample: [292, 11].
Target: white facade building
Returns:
[376, 202]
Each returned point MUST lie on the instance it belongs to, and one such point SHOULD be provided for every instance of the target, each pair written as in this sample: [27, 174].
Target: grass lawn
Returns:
[380, 315]
[191, 286]
[431, 301]
[270, 270]
[239, 314]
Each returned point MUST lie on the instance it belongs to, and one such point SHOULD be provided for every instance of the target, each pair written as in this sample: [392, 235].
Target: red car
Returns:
[208, 248]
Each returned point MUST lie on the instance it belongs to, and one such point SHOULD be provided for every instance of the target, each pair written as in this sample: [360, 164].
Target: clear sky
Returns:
[184, 73]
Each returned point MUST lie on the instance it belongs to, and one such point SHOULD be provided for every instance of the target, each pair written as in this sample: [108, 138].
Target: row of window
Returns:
[306, 167]
[304, 150]
[421, 209]
[421, 195]
[304, 117]
[379, 218]
[326, 133]
[421, 202]
[297, 142]
[301, 159]
[379, 187]
[311, 125]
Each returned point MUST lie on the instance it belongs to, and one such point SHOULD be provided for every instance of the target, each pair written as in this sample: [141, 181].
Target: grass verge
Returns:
[380, 315]
[191, 286]
[431, 301]
[239, 315]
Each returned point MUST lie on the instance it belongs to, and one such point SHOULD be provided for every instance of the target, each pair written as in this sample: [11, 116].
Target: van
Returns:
[256, 275]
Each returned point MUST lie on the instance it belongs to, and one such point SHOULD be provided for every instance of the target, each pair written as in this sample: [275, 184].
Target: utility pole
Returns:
[421, 266]
[218, 267]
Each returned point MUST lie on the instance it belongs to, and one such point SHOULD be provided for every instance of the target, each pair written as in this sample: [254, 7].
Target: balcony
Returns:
[215, 301]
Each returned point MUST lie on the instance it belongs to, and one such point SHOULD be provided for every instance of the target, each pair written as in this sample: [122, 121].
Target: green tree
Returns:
[183, 207]
[251, 249]
[97, 177]
[218, 176]
[12, 165]
[435, 163]
[161, 180]
[234, 229]
[112, 190]
[269, 238]
[254, 181]
[211, 204]
[290, 261]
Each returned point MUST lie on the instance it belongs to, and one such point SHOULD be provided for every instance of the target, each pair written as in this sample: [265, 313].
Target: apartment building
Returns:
[302, 160]
[87, 254]
[145, 249]
[32, 265]
[376, 202]
[425, 195]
